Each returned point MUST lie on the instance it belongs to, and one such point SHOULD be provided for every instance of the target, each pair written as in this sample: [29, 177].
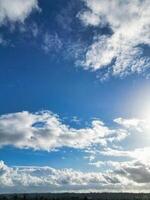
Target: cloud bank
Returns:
[127, 176]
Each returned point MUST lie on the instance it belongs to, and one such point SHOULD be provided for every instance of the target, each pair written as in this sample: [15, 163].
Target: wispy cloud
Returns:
[51, 43]
[121, 50]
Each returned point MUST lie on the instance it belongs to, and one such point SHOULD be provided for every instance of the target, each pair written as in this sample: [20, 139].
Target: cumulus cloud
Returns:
[125, 168]
[47, 178]
[134, 170]
[121, 52]
[124, 176]
[16, 10]
[45, 131]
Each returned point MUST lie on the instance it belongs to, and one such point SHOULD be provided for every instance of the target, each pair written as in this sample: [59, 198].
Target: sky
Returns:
[74, 96]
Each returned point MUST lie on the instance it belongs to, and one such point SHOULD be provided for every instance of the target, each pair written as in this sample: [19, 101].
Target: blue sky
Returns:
[74, 100]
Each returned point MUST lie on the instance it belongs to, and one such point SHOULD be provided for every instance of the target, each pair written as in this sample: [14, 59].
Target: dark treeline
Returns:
[75, 196]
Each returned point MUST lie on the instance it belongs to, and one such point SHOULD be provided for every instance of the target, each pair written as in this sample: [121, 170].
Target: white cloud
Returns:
[46, 179]
[140, 125]
[16, 10]
[128, 122]
[97, 163]
[45, 131]
[124, 176]
[130, 24]
[137, 154]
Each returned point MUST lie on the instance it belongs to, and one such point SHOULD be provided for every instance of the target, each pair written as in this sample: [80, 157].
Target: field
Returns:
[75, 196]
